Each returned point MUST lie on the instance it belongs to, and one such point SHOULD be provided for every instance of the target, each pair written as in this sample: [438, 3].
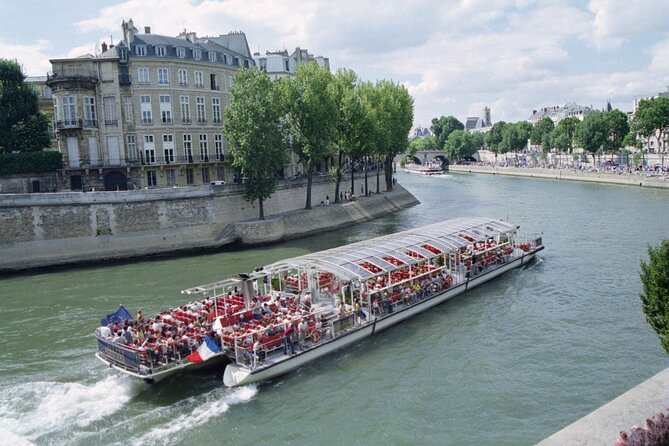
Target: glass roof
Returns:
[347, 261]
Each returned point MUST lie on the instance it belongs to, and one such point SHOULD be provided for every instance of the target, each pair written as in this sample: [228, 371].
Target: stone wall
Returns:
[58, 228]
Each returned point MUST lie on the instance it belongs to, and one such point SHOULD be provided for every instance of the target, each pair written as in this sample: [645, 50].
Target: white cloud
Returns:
[616, 21]
[33, 57]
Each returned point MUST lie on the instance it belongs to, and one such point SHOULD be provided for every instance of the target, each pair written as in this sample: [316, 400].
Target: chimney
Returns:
[104, 47]
[147, 30]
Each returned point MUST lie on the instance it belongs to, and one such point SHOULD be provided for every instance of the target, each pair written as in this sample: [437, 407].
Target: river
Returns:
[508, 363]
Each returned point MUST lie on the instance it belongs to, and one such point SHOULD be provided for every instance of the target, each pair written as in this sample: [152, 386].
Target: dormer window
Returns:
[140, 50]
[123, 54]
[212, 56]
[181, 52]
[161, 51]
[197, 54]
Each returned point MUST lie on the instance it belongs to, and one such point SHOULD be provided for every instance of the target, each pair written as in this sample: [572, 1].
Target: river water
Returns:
[508, 363]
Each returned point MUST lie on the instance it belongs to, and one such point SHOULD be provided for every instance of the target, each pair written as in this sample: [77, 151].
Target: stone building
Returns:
[280, 64]
[558, 113]
[146, 112]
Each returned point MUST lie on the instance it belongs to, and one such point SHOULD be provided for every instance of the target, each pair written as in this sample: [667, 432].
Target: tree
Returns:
[655, 297]
[494, 137]
[593, 133]
[252, 127]
[562, 138]
[515, 136]
[619, 128]
[22, 126]
[460, 144]
[478, 141]
[421, 144]
[652, 119]
[442, 127]
[310, 109]
[539, 131]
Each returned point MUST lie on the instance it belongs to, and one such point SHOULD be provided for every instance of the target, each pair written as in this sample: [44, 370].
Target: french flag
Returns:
[205, 351]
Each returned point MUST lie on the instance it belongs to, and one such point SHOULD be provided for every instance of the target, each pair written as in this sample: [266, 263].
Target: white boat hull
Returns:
[236, 375]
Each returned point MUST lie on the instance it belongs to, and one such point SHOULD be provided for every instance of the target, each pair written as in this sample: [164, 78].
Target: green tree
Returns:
[655, 297]
[515, 136]
[494, 137]
[651, 119]
[22, 126]
[442, 127]
[478, 140]
[593, 133]
[562, 138]
[420, 144]
[460, 144]
[310, 109]
[539, 131]
[252, 127]
[619, 128]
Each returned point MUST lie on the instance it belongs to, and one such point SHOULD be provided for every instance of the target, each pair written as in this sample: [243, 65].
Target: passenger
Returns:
[287, 340]
[127, 335]
[302, 330]
[105, 332]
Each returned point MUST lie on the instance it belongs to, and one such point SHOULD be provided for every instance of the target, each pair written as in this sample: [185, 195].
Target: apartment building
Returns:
[146, 112]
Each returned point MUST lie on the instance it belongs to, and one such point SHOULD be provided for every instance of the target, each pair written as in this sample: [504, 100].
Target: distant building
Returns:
[280, 64]
[148, 111]
[420, 132]
[478, 124]
[558, 113]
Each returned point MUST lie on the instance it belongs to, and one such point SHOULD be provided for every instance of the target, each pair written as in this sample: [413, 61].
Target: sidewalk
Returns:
[603, 426]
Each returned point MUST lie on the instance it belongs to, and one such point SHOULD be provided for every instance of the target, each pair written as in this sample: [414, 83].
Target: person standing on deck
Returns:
[302, 331]
[287, 340]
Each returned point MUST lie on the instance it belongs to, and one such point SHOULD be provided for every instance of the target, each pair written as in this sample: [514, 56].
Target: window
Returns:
[128, 110]
[214, 82]
[204, 150]
[188, 148]
[225, 59]
[216, 110]
[212, 56]
[190, 178]
[183, 77]
[185, 109]
[171, 177]
[145, 104]
[165, 109]
[151, 180]
[163, 76]
[221, 173]
[199, 107]
[168, 148]
[131, 142]
[143, 75]
[140, 50]
[231, 82]
[109, 106]
[69, 111]
[197, 54]
[199, 79]
[89, 112]
[123, 54]
[149, 150]
[205, 175]
[218, 145]
[161, 50]
[181, 52]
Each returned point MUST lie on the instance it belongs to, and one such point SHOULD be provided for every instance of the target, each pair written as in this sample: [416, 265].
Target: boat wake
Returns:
[197, 411]
[45, 412]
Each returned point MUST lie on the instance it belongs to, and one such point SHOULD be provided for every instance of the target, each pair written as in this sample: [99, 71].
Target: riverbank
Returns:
[43, 230]
[643, 179]
[603, 425]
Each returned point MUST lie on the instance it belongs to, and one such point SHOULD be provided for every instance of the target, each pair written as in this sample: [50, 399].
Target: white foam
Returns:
[40, 409]
[9, 437]
[214, 405]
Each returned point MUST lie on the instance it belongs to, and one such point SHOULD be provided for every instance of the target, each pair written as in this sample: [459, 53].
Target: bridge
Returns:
[430, 156]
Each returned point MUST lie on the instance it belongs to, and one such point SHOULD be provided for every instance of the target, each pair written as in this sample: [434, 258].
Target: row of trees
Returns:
[600, 132]
[320, 116]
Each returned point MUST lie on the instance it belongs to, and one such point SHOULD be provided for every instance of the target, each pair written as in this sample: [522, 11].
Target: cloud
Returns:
[616, 21]
[33, 57]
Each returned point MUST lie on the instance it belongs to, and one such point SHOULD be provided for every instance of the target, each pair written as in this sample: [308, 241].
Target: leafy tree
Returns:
[255, 138]
[494, 137]
[515, 136]
[562, 138]
[593, 133]
[539, 131]
[420, 144]
[22, 126]
[478, 140]
[652, 120]
[311, 113]
[442, 127]
[619, 128]
[655, 297]
[460, 144]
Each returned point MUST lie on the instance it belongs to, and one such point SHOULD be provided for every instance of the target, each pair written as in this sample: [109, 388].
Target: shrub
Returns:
[30, 162]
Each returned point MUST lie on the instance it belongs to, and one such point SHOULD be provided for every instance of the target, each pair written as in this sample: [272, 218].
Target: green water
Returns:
[508, 363]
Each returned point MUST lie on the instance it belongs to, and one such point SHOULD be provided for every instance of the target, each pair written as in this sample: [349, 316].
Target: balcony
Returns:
[179, 159]
[90, 123]
[69, 124]
[111, 122]
[67, 79]
[202, 120]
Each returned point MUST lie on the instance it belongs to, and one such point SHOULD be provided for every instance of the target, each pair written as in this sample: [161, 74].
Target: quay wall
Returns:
[39, 230]
[643, 179]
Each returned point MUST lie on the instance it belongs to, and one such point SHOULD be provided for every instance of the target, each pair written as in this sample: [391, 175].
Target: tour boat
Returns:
[424, 169]
[281, 316]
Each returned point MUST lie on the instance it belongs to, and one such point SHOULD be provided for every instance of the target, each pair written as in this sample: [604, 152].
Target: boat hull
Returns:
[235, 375]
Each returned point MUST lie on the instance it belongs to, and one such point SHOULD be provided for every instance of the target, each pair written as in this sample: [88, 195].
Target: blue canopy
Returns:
[119, 316]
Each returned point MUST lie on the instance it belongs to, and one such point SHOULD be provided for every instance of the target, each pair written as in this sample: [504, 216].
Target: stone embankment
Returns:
[644, 179]
[41, 230]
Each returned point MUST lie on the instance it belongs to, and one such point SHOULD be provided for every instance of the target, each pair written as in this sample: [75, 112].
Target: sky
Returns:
[454, 56]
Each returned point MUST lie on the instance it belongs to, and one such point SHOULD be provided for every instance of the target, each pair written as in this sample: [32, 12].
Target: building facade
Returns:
[558, 113]
[280, 64]
[147, 112]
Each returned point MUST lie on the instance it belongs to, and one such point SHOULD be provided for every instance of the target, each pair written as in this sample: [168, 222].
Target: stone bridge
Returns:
[431, 156]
